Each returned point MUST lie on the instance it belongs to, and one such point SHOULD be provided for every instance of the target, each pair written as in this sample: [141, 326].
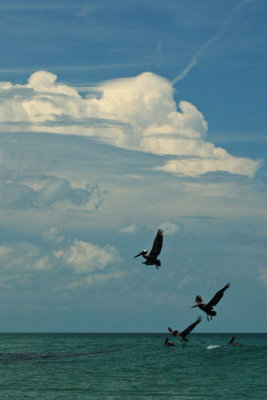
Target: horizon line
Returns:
[126, 333]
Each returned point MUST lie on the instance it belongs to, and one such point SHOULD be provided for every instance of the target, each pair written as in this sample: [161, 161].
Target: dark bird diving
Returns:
[182, 335]
[152, 257]
[208, 308]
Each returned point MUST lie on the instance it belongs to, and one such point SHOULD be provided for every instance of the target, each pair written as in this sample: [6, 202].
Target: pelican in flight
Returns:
[182, 335]
[208, 308]
[152, 257]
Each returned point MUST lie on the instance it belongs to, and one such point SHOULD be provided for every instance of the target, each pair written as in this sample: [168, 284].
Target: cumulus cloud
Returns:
[93, 263]
[51, 234]
[85, 262]
[85, 257]
[137, 113]
[23, 256]
[48, 191]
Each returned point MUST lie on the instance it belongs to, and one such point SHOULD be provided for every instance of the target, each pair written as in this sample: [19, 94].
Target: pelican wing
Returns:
[166, 341]
[198, 300]
[185, 332]
[217, 297]
[157, 245]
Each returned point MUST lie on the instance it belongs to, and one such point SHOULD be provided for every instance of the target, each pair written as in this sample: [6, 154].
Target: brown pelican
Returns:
[232, 343]
[168, 343]
[152, 257]
[208, 308]
[182, 335]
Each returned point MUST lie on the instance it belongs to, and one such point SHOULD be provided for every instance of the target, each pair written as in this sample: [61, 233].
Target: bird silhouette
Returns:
[152, 257]
[208, 308]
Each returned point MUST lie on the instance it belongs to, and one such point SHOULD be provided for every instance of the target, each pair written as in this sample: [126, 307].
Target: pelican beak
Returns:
[137, 255]
[195, 306]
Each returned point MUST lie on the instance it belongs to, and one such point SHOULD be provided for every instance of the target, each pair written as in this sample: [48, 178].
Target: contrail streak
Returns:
[216, 36]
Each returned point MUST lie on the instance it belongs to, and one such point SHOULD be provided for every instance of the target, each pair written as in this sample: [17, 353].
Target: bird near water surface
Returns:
[182, 335]
[168, 343]
[208, 308]
[233, 343]
[152, 257]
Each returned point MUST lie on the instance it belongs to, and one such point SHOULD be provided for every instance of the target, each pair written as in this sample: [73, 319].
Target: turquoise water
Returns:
[131, 366]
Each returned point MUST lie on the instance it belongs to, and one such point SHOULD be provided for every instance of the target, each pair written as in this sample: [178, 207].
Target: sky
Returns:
[116, 119]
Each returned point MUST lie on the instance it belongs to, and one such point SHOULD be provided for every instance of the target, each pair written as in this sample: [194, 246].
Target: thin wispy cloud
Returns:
[221, 29]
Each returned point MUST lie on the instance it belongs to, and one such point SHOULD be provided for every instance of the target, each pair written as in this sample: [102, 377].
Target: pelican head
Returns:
[144, 252]
[198, 300]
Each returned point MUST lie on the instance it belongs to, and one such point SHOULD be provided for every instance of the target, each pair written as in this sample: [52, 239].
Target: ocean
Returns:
[131, 366]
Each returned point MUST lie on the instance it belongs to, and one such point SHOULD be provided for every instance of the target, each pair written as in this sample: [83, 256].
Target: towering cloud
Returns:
[137, 113]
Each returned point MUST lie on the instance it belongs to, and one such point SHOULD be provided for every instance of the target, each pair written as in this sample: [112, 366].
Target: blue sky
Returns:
[116, 119]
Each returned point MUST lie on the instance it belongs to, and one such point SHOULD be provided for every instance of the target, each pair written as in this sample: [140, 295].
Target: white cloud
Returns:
[85, 257]
[90, 263]
[23, 257]
[44, 192]
[128, 229]
[221, 162]
[93, 263]
[137, 113]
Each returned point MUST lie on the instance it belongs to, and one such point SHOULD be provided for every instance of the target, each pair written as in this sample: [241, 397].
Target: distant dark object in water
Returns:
[232, 343]
[208, 308]
[182, 335]
[152, 257]
[20, 357]
[168, 343]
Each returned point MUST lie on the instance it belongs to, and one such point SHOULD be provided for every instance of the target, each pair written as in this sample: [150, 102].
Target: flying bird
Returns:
[152, 257]
[208, 308]
[182, 335]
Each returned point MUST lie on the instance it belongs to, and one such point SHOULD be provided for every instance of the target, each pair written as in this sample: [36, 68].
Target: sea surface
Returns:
[131, 366]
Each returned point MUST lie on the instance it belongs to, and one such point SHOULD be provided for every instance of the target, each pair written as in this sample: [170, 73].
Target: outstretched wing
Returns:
[190, 328]
[157, 245]
[198, 300]
[217, 297]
